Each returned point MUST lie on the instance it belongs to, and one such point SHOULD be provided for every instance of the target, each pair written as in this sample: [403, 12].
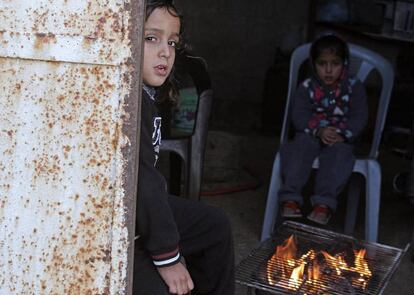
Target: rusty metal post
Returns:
[134, 109]
[69, 133]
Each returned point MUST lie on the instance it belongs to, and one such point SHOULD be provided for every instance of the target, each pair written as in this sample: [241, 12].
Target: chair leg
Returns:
[175, 174]
[354, 191]
[193, 183]
[272, 203]
[410, 181]
[373, 197]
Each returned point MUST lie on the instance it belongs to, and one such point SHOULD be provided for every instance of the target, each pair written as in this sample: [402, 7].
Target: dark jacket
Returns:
[304, 110]
[155, 223]
[344, 106]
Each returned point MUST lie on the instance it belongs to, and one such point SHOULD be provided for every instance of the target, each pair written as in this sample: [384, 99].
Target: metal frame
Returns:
[133, 129]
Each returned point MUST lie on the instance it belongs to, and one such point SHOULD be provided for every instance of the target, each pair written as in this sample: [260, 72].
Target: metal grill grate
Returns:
[382, 261]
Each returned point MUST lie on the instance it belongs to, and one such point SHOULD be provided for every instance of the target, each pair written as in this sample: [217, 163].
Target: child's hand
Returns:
[177, 278]
[339, 138]
[328, 135]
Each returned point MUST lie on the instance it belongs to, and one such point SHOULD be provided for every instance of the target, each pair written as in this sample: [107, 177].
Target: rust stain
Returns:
[40, 19]
[116, 25]
[61, 98]
[115, 140]
[44, 39]
[88, 41]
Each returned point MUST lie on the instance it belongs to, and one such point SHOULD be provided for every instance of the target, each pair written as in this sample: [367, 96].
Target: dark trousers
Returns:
[335, 167]
[206, 244]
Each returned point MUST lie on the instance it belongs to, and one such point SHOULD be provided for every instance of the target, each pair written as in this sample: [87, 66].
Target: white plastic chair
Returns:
[362, 62]
[190, 148]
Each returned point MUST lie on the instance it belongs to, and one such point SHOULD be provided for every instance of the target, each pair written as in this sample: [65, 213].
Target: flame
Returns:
[337, 262]
[314, 273]
[285, 270]
[295, 279]
[285, 252]
[361, 264]
[361, 267]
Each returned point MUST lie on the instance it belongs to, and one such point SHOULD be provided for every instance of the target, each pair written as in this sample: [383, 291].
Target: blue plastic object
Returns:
[362, 62]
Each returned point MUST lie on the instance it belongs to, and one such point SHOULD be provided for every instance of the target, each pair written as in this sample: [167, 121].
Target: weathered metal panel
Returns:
[65, 30]
[59, 175]
[67, 146]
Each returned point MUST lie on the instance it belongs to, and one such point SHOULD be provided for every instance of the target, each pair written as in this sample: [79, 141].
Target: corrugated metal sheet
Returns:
[64, 81]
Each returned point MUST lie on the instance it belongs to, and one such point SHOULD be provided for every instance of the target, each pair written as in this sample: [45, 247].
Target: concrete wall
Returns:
[238, 38]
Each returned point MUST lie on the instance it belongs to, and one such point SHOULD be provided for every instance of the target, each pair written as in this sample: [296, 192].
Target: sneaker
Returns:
[291, 209]
[320, 214]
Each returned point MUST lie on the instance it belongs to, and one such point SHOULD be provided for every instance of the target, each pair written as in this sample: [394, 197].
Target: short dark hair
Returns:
[333, 43]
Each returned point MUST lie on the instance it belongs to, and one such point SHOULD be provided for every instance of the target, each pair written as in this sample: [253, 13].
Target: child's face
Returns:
[161, 35]
[329, 67]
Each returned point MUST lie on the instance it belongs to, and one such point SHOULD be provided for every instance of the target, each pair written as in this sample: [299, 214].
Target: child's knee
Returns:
[220, 221]
[343, 149]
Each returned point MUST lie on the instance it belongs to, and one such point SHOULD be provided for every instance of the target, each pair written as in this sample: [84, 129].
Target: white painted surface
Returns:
[62, 95]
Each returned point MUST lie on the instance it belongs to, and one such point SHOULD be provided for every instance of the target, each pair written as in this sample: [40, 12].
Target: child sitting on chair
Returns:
[171, 227]
[329, 112]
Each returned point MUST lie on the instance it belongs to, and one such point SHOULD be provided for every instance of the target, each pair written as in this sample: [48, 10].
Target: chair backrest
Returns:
[362, 62]
[203, 114]
[193, 80]
[197, 69]
[191, 147]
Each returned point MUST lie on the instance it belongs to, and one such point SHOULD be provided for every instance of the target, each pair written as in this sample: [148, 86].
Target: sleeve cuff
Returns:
[313, 132]
[166, 259]
[346, 134]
